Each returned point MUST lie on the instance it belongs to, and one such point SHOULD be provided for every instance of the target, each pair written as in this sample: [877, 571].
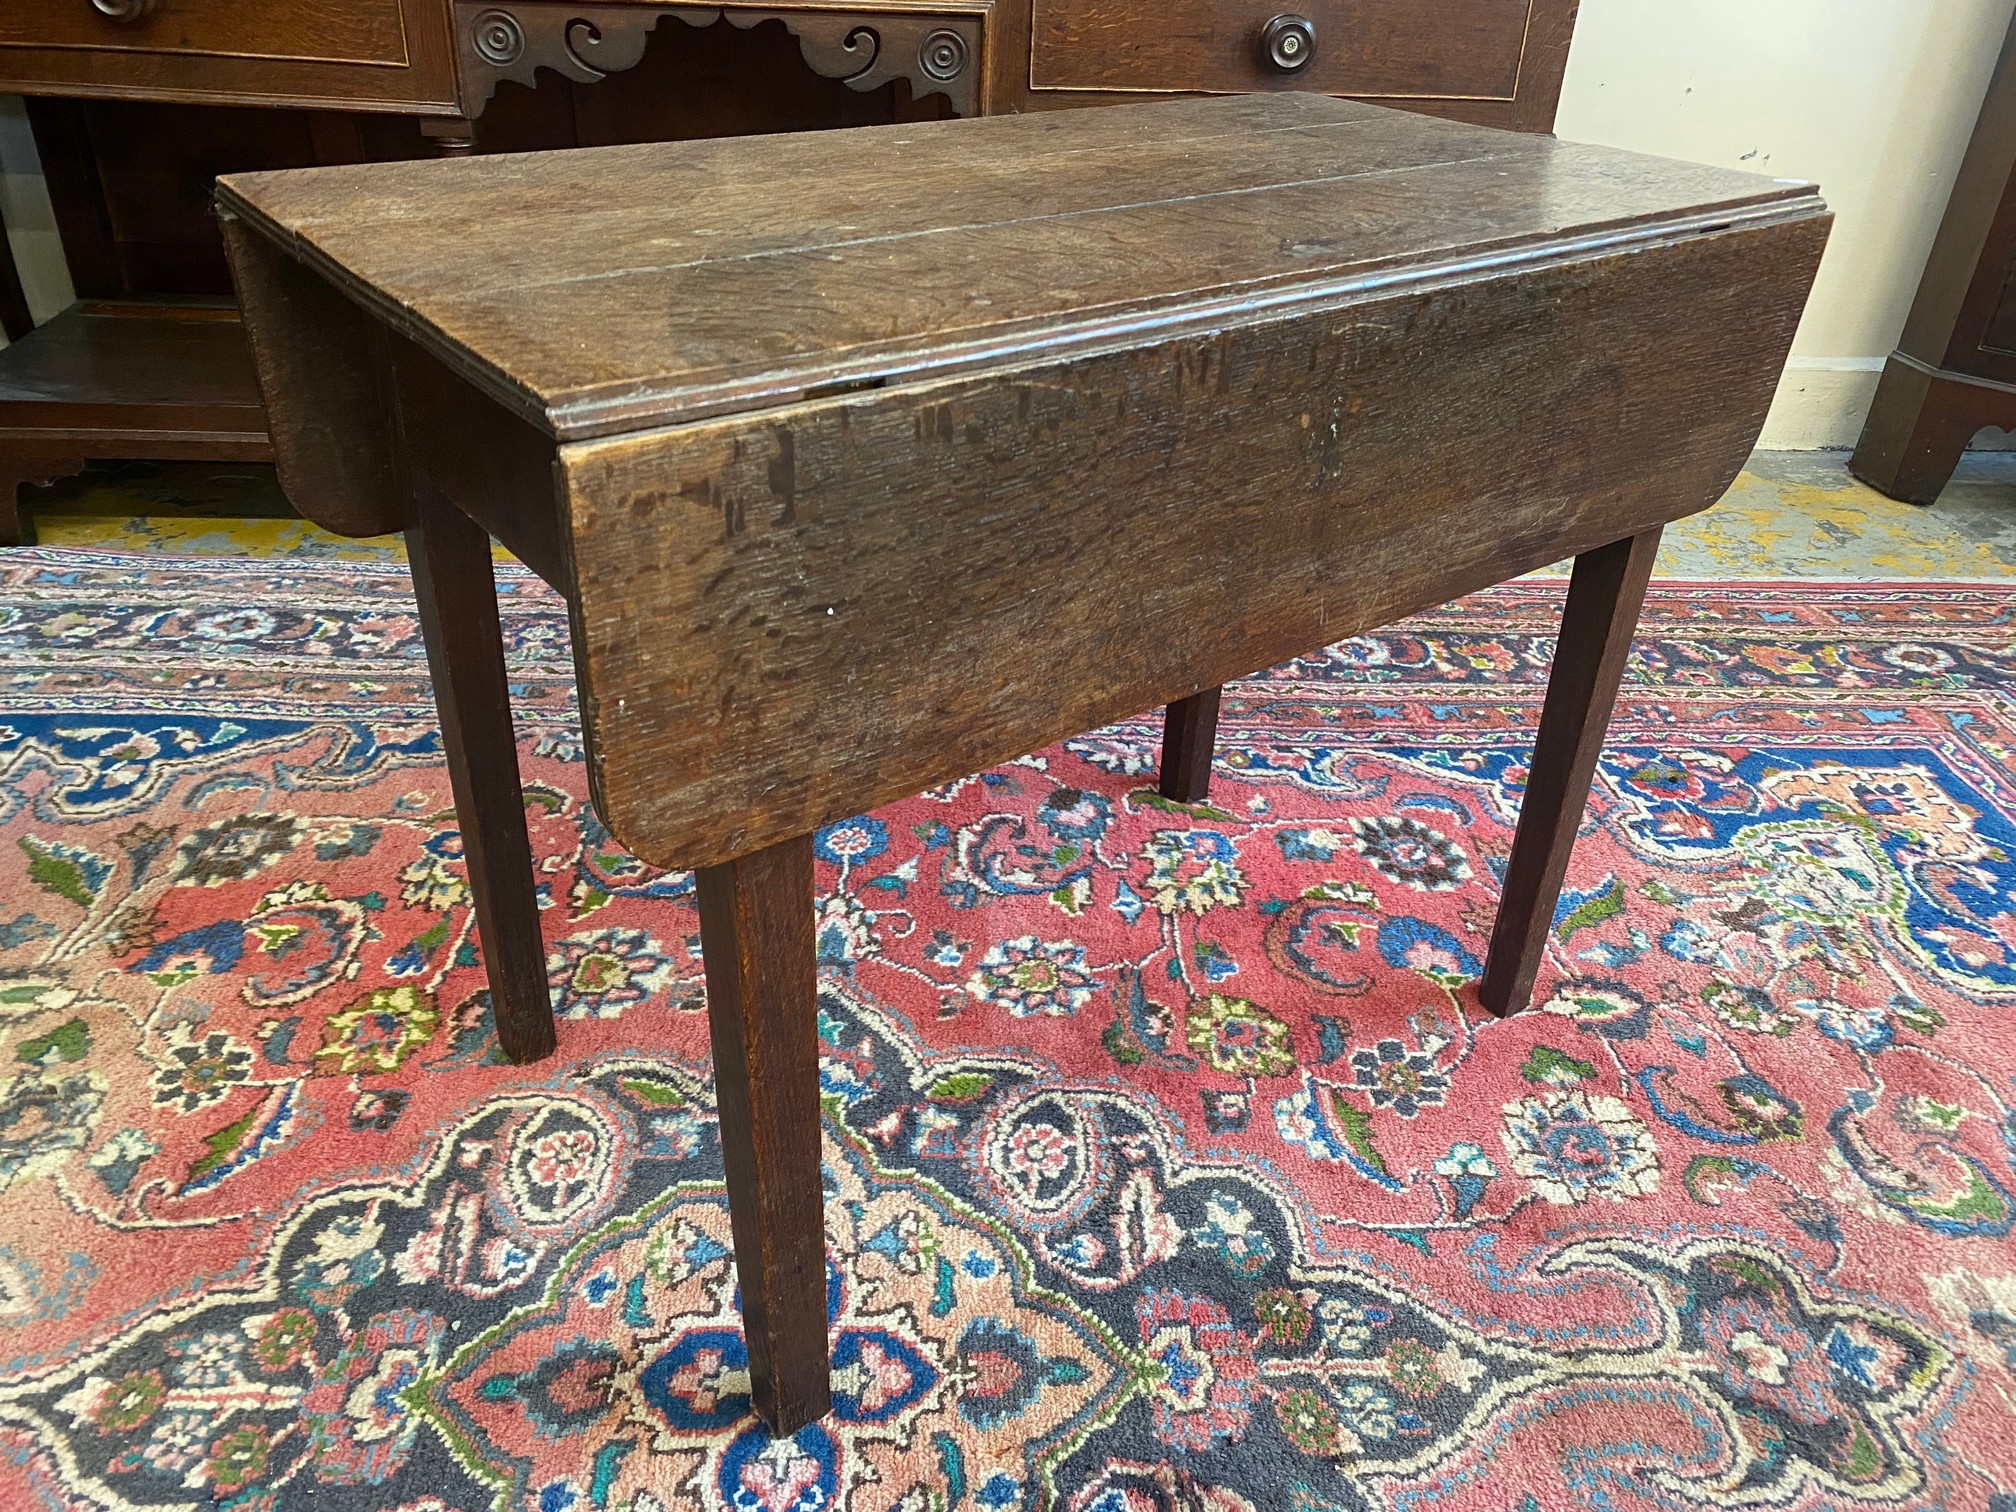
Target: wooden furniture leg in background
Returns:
[1604, 597]
[762, 1006]
[457, 591]
[18, 470]
[1954, 370]
[1189, 731]
[1919, 425]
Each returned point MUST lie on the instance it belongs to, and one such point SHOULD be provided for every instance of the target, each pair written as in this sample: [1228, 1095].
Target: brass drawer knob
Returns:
[1287, 43]
[123, 10]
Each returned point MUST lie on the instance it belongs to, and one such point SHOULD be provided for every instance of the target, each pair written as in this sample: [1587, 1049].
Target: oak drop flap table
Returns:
[868, 459]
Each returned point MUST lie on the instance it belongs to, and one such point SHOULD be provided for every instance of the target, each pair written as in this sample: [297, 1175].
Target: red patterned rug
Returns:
[1170, 1161]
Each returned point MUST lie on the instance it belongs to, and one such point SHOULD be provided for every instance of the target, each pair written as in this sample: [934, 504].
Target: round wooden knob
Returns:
[123, 10]
[1287, 43]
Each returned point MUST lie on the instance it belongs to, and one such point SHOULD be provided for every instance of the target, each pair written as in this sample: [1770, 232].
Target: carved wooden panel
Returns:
[937, 51]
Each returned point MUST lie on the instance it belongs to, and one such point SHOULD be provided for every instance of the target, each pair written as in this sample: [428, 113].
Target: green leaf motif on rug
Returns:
[1357, 1126]
[1864, 1459]
[1120, 1044]
[1743, 1268]
[1343, 892]
[1978, 1203]
[1593, 910]
[1923, 1018]
[1149, 798]
[220, 1145]
[1708, 1176]
[68, 1042]
[657, 1094]
[960, 1087]
[65, 870]
[36, 994]
[1939, 1115]
[1546, 1066]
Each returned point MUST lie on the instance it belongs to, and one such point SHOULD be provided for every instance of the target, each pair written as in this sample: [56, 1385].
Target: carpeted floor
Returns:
[1170, 1161]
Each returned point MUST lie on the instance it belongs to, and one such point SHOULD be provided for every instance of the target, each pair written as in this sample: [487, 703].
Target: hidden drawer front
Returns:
[1397, 49]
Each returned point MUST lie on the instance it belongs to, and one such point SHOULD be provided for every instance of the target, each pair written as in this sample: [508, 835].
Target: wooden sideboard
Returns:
[1954, 370]
[138, 105]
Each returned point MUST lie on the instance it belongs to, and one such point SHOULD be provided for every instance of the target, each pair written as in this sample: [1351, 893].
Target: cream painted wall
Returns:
[1872, 99]
[31, 224]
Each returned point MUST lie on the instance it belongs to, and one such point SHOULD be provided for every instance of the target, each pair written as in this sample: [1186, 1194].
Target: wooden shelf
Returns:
[125, 379]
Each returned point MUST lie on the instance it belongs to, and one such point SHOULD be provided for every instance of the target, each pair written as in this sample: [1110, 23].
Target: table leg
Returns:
[16, 472]
[1603, 602]
[1919, 425]
[1189, 731]
[762, 1005]
[465, 653]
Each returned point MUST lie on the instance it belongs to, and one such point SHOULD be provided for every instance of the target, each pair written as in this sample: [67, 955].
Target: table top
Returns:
[610, 290]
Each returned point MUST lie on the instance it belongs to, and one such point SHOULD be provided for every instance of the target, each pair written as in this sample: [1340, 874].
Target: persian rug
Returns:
[1170, 1162]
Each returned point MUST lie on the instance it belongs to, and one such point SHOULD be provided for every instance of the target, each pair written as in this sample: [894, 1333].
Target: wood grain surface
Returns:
[990, 432]
[1604, 597]
[1189, 732]
[762, 1008]
[792, 616]
[601, 291]
[322, 376]
[456, 590]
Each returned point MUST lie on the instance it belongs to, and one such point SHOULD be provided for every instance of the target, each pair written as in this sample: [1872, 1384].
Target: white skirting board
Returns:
[1822, 402]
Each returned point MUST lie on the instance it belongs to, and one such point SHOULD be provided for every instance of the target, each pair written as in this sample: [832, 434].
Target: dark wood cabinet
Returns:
[138, 105]
[1954, 370]
[346, 54]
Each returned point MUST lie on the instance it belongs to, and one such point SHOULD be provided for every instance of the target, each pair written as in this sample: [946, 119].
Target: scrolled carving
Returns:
[585, 43]
[934, 53]
[599, 54]
[863, 49]
[839, 47]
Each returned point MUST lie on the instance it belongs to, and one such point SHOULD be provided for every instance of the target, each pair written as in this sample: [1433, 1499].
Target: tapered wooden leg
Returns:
[1189, 731]
[762, 1005]
[465, 652]
[1604, 597]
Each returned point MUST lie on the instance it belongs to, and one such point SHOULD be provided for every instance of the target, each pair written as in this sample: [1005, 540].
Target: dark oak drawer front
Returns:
[331, 31]
[1400, 49]
[349, 54]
